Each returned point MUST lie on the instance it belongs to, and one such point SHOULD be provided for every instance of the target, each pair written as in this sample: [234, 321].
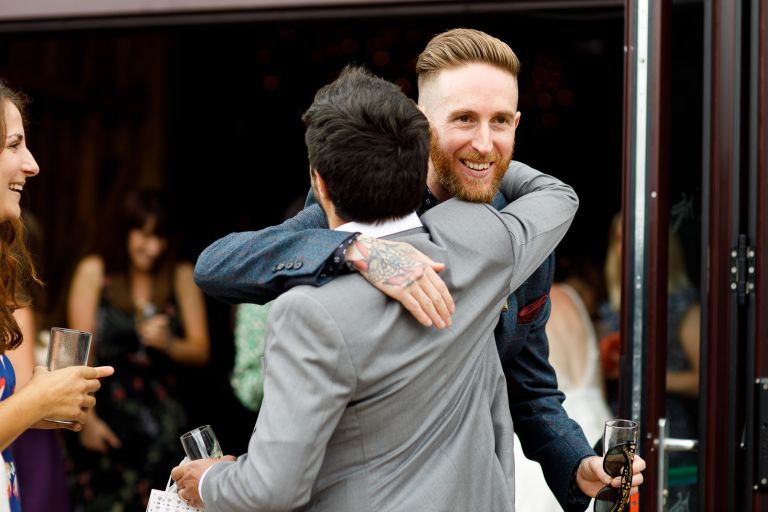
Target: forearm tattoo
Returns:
[387, 263]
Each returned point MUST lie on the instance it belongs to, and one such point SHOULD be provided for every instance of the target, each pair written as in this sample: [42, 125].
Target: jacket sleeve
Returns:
[309, 380]
[257, 266]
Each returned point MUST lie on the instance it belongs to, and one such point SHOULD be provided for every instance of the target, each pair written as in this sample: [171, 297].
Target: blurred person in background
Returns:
[64, 393]
[149, 320]
[683, 336]
[573, 353]
[247, 379]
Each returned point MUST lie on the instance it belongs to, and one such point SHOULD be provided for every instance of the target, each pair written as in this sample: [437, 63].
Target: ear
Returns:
[518, 115]
[322, 191]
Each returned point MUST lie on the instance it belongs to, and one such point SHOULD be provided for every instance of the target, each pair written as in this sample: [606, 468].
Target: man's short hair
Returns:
[370, 144]
[461, 46]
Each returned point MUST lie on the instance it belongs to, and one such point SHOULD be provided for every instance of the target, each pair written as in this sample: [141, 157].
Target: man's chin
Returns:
[476, 193]
[478, 190]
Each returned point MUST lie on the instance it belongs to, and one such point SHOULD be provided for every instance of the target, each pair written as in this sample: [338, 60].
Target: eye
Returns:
[14, 144]
[464, 118]
[502, 120]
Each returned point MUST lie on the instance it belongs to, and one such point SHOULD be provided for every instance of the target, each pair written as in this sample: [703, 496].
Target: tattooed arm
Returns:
[406, 275]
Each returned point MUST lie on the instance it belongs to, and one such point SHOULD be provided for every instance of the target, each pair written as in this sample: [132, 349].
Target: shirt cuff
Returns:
[200, 483]
[336, 264]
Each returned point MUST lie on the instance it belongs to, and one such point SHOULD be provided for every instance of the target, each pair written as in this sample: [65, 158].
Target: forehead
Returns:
[12, 119]
[474, 87]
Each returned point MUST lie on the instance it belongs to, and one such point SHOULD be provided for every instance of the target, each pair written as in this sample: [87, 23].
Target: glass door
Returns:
[696, 368]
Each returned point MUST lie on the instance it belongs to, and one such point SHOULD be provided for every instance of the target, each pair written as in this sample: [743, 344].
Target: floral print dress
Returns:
[139, 404]
[7, 386]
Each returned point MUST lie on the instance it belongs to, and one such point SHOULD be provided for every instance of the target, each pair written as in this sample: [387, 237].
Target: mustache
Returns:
[481, 157]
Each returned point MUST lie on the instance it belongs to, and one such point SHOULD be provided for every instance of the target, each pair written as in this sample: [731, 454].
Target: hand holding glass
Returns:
[201, 443]
[67, 347]
[619, 442]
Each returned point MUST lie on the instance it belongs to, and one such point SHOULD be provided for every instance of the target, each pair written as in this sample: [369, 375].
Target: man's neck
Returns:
[436, 188]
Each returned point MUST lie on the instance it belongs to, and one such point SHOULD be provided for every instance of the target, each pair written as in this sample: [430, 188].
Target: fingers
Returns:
[92, 385]
[446, 299]
[637, 480]
[74, 427]
[413, 306]
[177, 473]
[437, 267]
[429, 301]
[98, 372]
[229, 458]
[111, 439]
[104, 371]
[87, 402]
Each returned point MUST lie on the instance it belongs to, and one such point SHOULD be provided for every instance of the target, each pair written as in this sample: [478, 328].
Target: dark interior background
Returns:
[211, 112]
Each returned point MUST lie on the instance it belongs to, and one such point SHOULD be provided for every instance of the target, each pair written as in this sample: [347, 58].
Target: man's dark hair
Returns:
[370, 144]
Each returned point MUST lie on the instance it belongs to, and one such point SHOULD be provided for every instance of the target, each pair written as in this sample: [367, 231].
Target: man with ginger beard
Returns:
[468, 91]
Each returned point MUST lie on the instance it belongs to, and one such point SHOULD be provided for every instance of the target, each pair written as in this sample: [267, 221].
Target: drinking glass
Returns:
[67, 347]
[619, 442]
[618, 431]
[201, 443]
[143, 313]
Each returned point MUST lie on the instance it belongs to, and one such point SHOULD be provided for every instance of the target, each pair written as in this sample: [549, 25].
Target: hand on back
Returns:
[410, 277]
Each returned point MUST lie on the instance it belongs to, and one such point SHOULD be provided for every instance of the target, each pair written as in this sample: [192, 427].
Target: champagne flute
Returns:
[201, 443]
[619, 442]
[143, 313]
[619, 431]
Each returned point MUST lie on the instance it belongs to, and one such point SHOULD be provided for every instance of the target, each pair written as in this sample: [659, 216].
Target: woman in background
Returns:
[573, 353]
[62, 393]
[149, 317]
[683, 348]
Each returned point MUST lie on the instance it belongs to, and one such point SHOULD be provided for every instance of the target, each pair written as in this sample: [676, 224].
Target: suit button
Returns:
[280, 266]
[297, 264]
[289, 265]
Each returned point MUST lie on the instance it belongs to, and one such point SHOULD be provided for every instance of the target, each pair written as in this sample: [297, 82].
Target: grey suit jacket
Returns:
[366, 410]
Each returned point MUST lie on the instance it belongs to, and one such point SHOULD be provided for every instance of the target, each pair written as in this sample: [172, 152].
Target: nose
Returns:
[29, 164]
[154, 246]
[482, 142]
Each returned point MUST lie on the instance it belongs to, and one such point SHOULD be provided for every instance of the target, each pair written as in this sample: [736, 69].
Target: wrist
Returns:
[355, 252]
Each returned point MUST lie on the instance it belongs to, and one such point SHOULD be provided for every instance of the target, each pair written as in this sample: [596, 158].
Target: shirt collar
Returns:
[428, 200]
[381, 229]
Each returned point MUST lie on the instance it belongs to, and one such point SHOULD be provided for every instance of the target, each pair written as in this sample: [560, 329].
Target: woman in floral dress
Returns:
[149, 319]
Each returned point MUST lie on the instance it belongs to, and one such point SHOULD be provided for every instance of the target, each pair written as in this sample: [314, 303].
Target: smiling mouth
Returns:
[477, 169]
[16, 187]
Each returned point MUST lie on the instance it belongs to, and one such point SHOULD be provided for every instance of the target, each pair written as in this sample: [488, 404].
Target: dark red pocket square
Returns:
[528, 313]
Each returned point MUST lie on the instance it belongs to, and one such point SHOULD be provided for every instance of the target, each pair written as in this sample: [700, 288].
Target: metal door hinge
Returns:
[742, 269]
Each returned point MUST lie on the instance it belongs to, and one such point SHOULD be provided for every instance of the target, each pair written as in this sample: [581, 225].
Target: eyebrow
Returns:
[464, 112]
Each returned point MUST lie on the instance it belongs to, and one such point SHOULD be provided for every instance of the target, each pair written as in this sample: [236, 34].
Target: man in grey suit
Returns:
[362, 415]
